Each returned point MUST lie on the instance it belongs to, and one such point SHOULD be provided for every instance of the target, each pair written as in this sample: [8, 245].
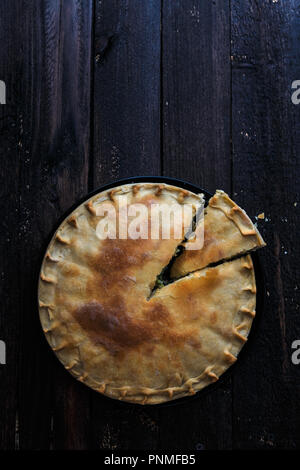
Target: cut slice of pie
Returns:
[99, 318]
[228, 232]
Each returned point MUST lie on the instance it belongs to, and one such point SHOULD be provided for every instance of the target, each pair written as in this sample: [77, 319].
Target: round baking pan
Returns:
[260, 286]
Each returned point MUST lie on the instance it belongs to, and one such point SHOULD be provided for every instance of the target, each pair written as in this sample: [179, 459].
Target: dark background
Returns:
[103, 89]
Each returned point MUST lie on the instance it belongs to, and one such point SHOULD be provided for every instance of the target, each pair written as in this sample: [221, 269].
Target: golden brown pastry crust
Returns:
[228, 232]
[95, 312]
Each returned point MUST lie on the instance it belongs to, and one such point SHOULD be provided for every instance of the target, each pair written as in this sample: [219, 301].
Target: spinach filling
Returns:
[164, 277]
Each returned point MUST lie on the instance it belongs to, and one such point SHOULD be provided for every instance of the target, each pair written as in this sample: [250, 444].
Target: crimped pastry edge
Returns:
[109, 194]
[220, 200]
[148, 396]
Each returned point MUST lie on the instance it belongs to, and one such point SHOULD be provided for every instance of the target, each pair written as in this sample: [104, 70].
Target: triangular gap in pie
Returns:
[96, 317]
[228, 232]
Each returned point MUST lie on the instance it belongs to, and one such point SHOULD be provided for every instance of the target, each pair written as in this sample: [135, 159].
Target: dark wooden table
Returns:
[103, 89]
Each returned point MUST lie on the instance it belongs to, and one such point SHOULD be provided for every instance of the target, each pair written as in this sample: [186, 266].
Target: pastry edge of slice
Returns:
[245, 224]
[221, 201]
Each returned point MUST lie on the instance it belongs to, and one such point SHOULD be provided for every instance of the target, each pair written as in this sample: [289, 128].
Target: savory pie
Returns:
[228, 232]
[110, 323]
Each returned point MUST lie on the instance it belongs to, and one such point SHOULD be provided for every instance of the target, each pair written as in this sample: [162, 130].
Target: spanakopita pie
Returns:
[118, 330]
[228, 232]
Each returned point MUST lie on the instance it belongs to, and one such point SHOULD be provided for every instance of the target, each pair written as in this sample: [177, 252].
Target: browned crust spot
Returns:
[89, 206]
[62, 346]
[111, 326]
[48, 257]
[248, 311]
[72, 221]
[182, 195]
[229, 357]
[62, 240]
[111, 194]
[71, 365]
[239, 335]
[159, 189]
[44, 278]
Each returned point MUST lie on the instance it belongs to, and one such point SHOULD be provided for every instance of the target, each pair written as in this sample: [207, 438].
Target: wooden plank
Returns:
[266, 144]
[9, 203]
[126, 143]
[196, 147]
[47, 66]
[71, 418]
[196, 92]
[44, 132]
[126, 89]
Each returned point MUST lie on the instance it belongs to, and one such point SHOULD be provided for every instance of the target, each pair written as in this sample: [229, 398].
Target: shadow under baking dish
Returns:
[260, 285]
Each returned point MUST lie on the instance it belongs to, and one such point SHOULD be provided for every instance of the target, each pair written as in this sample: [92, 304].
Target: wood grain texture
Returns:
[266, 147]
[103, 89]
[126, 142]
[10, 128]
[49, 61]
[196, 147]
[196, 92]
[126, 89]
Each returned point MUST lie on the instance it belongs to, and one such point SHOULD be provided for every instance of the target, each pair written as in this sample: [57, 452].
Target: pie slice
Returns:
[228, 232]
[101, 321]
